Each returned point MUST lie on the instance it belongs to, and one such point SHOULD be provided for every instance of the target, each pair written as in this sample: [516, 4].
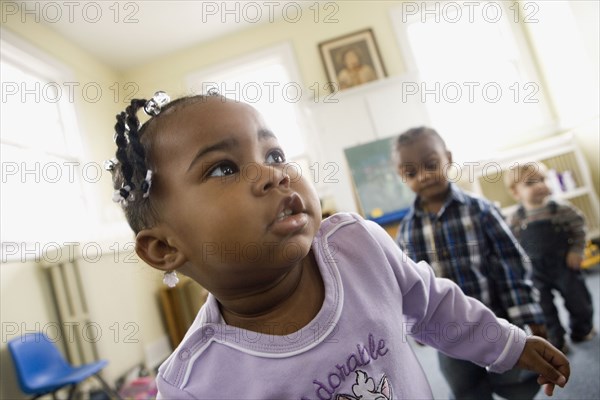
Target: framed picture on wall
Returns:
[352, 60]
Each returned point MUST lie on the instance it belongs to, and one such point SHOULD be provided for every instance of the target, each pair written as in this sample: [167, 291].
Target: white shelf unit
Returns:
[558, 152]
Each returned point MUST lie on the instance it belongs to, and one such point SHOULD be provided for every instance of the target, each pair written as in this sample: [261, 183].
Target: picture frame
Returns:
[352, 60]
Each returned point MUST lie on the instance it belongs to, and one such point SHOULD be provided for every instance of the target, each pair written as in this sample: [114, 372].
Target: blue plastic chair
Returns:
[41, 368]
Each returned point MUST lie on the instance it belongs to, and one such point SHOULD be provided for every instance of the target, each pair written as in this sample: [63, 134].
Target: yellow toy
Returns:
[591, 255]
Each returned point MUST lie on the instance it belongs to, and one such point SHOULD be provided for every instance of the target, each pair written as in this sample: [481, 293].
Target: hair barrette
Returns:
[154, 105]
[123, 195]
[213, 91]
[147, 183]
[110, 165]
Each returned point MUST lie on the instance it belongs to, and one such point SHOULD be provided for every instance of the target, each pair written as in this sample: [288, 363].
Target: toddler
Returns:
[298, 308]
[553, 235]
[466, 240]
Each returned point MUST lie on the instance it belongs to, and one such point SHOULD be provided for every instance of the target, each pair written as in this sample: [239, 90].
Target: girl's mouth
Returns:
[291, 216]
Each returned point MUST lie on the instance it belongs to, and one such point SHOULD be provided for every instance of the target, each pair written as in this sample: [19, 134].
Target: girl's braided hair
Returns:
[132, 169]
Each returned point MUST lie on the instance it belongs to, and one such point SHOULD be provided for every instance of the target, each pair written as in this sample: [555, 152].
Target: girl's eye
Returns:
[223, 169]
[275, 157]
[410, 174]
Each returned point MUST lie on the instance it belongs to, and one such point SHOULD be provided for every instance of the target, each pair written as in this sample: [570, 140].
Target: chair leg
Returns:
[107, 388]
[37, 396]
[72, 392]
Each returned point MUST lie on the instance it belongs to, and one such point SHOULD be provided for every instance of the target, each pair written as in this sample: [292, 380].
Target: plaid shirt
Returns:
[468, 242]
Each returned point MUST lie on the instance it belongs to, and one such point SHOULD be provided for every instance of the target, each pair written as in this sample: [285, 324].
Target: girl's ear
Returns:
[152, 247]
[449, 155]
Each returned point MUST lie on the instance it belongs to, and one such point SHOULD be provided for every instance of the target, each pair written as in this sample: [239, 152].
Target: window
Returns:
[42, 199]
[268, 80]
[476, 76]
[567, 55]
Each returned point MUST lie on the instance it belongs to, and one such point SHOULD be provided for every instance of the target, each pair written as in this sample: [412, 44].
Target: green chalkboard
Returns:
[382, 194]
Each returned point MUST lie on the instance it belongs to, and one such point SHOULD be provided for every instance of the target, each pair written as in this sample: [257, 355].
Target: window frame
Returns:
[526, 58]
[40, 64]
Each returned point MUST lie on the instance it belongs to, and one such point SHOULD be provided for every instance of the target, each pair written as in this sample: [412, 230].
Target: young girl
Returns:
[299, 308]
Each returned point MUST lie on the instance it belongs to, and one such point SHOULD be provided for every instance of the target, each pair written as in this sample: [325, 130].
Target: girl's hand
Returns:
[552, 365]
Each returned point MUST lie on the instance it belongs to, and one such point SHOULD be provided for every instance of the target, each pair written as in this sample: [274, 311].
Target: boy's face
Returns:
[227, 199]
[422, 166]
[531, 190]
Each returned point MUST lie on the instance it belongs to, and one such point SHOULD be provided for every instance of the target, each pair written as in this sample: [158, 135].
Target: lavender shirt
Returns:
[356, 347]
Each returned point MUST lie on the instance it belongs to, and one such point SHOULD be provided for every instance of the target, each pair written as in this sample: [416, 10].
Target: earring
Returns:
[170, 279]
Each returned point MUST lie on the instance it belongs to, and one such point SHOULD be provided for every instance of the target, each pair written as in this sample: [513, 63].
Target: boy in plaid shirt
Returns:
[465, 239]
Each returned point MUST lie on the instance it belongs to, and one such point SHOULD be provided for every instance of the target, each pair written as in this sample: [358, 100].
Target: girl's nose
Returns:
[267, 177]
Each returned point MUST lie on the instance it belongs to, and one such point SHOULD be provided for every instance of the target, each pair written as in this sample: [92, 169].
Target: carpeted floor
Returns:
[584, 357]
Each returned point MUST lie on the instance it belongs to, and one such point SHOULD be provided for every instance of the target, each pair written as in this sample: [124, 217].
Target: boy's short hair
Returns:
[520, 171]
[409, 136]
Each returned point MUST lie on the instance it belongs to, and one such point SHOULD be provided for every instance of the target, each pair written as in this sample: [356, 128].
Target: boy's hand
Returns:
[540, 356]
[574, 260]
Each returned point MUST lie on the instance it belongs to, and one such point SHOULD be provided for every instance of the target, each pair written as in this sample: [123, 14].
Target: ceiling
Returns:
[128, 33]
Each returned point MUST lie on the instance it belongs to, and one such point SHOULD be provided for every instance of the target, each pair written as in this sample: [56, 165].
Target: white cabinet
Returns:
[559, 153]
